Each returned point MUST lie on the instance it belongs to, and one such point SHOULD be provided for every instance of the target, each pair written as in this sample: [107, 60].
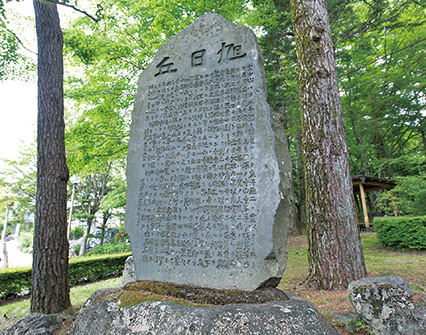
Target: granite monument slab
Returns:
[203, 179]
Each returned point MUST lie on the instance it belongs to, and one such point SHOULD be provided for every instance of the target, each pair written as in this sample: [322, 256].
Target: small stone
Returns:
[389, 306]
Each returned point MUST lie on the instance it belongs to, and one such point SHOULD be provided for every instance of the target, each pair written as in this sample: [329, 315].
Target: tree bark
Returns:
[335, 252]
[50, 281]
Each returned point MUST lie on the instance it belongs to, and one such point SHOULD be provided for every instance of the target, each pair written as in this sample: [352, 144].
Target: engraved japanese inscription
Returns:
[202, 176]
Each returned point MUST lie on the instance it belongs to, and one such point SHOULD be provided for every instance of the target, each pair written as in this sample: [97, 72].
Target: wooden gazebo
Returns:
[364, 184]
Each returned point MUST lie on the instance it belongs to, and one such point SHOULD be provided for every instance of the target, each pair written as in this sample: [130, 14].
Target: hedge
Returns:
[17, 281]
[404, 232]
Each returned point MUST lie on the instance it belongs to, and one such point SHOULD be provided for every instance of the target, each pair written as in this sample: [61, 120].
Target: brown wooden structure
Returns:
[364, 184]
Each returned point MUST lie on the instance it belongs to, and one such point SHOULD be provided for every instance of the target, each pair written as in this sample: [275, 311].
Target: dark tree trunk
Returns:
[50, 282]
[336, 257]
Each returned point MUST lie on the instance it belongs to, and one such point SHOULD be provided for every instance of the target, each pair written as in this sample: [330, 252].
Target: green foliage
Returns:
[381, 70]
[18, 180]
[26, 240]
[17, 281]
[77, 248]
[358, 324]
[14, 281]
[110, 248]
[402, 232]
[14, 65]
[77, 233]
[409, 196]
[91, 269]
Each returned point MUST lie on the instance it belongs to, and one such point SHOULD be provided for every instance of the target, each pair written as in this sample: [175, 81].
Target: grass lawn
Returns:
[11, 313]
[379, 261]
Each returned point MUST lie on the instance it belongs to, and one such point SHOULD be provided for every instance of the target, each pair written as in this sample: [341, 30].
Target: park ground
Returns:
[379, 261]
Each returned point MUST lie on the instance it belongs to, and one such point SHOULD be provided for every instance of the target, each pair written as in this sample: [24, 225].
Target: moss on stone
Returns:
[141, 291]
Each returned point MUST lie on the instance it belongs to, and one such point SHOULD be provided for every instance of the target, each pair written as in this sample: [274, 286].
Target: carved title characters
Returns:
[164, 67]
[231, 52]
[227, 52]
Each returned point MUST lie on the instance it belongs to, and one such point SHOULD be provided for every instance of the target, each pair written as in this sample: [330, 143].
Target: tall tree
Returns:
[335, 257]
[50, 281]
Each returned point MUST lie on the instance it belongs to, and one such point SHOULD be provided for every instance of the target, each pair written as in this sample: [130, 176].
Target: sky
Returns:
[18, 99]
[18, 116]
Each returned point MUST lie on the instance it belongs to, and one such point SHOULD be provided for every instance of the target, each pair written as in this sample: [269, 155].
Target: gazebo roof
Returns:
[371, 184]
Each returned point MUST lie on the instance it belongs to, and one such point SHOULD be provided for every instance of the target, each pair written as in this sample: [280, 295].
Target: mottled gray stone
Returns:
[202, 173]
[286, 212]
[389, 305]
[128, 272]
[288, 317]
[37, 324]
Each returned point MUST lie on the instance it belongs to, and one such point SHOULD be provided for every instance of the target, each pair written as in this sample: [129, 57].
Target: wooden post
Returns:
[364, 208]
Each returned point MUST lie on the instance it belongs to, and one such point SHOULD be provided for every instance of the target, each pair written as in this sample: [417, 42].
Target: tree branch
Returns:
[18, 39]
[418, 3]
[381, 57]
[98, 13]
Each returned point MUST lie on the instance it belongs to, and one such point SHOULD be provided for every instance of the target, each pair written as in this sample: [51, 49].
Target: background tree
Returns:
[20, 176]
[335, 252]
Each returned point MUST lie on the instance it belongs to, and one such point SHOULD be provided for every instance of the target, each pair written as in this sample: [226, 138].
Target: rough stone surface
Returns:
[128, 272]
[288, 317]
[389, 305]
[286, 213]
[36, 324]
[202, 173]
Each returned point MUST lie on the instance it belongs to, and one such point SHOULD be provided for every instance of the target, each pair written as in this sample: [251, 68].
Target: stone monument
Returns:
[203, 180]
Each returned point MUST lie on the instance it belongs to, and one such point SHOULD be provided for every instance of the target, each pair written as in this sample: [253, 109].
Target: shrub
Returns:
[110, 248]
[17, 281]
[26, 241]
[402, 231]
[77, 233]
[92, 269]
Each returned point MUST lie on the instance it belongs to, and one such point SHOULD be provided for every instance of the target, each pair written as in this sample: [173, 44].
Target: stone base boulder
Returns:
[106, 316]
[389, 305]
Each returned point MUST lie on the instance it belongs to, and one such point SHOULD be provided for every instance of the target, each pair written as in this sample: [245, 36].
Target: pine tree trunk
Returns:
[336, 257]
[50, 282]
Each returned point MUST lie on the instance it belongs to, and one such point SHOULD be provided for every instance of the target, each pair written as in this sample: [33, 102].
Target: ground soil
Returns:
[327, 302]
